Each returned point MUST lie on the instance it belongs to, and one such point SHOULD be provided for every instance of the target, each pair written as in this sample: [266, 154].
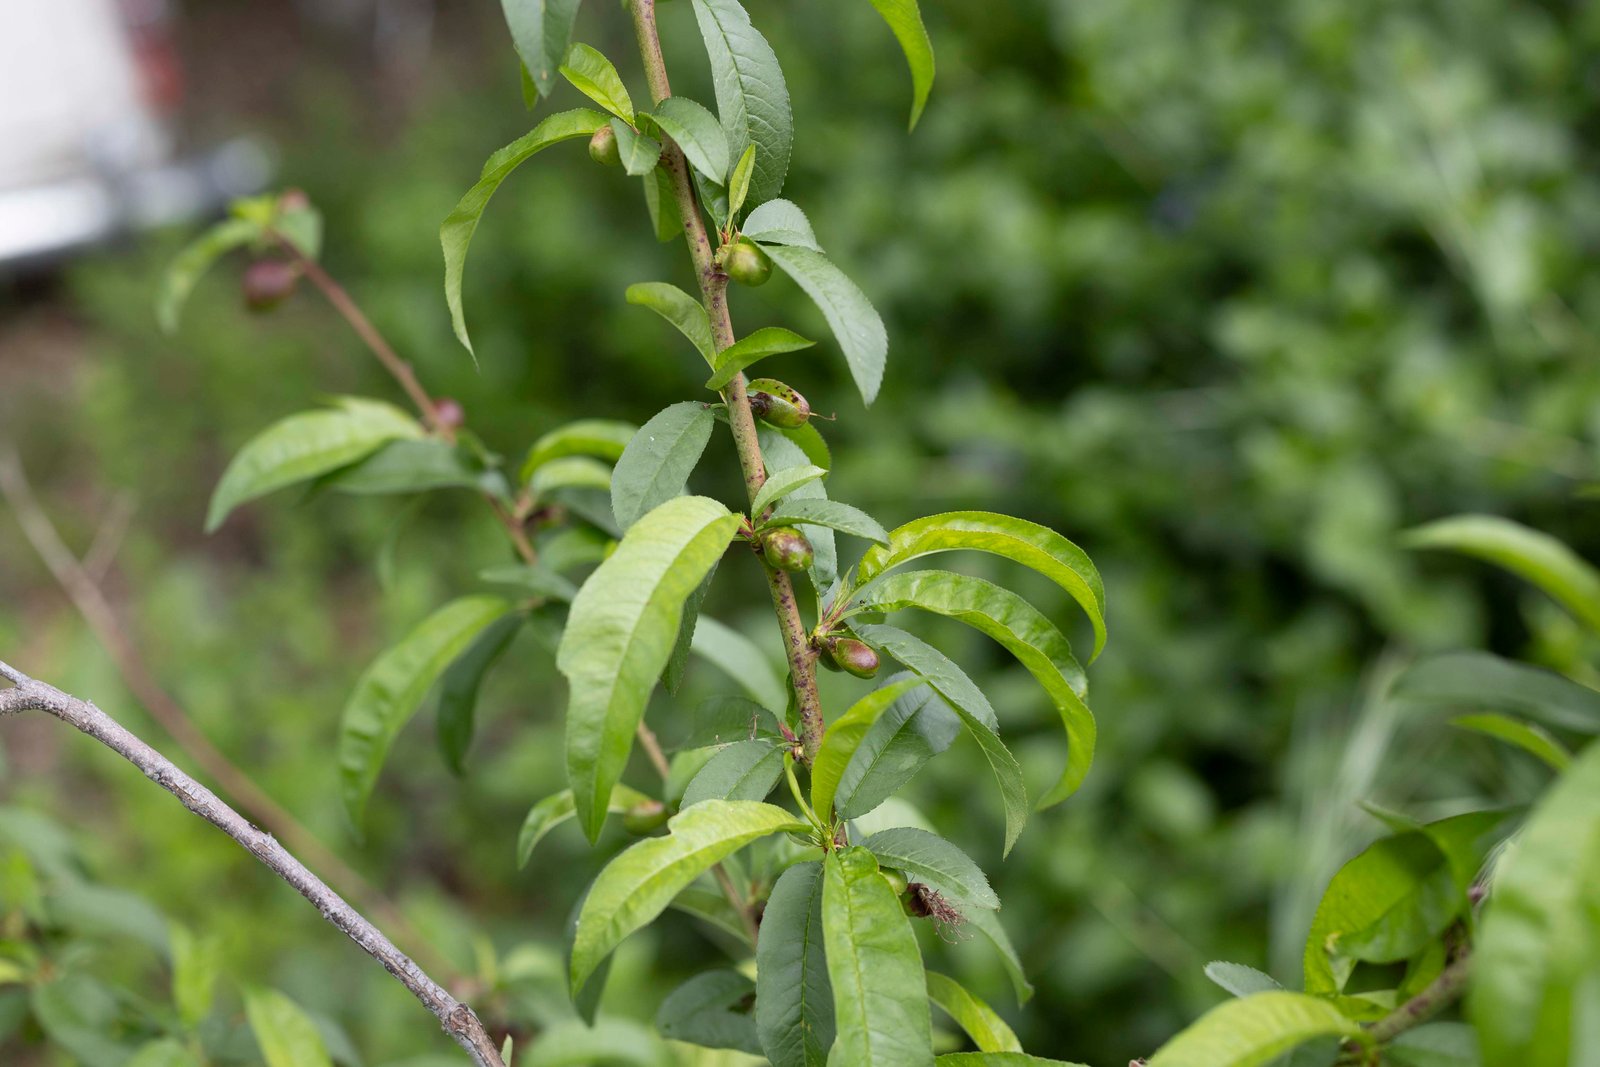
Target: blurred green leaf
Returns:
[880, 998]
[605, 438]
[558, 808]
[639, 884]
[1481, 680]
[455, 234]
[851, 316]
[164, 1053]
[1534, 740]
[458, 689]
[612, 1041]
[999, 1059]
[905, 19]
[196, 962]
[304, 446]
[1240, 980]
[407, 466]
[713, 1010]
[286, 1036]
[1252, 1031]
[1536, 965]
[571, 472]
[620, 634]
[741, 660]
[390, 690]
[1434, 1045]
[82, 1017]
[980, 1022]
[191, 264]
[1531, 555]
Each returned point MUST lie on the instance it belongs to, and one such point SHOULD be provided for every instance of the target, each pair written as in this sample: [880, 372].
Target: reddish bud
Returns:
[448, 414]
[293, 200]
[786, 548]
[268, 283]
[849, 654]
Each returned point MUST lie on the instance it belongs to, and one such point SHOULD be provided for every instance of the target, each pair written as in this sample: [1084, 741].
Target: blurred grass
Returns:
[1228, 293]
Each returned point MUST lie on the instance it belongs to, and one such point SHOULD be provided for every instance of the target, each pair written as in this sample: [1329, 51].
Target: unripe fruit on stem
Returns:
[268, 283]
[645, 818]
[896, 880]
[603, 147]
[849, 654]
[449, 414]
[746, 264]
[777, 404]
[786, 548]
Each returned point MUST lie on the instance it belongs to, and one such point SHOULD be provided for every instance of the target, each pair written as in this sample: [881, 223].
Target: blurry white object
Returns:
[87, 92]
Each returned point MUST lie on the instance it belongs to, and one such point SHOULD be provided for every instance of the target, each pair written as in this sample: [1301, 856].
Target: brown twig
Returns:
[91, 603]
[457, 1019]
[1439, 994]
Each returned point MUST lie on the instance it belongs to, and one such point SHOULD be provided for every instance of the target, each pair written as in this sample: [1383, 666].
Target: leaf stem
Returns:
[714, 294]
[799, 798]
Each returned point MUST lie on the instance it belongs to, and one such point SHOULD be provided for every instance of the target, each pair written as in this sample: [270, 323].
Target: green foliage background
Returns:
[1229, 293]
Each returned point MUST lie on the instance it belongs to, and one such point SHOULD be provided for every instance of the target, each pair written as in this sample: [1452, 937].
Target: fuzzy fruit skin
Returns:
[786, 548]
[747, 264]
[777, 404]
[852, 656]
[603, 147]
[646, 818]
[896, 880]
[268, 283]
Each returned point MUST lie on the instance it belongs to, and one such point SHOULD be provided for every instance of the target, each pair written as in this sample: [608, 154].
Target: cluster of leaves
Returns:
[73, 952]
[1496, 902]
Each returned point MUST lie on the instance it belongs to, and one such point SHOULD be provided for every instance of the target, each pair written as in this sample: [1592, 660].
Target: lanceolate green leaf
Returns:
[191, 264]
[571, 472]
[751, 95]
[739, 180]
[998, 1059]
[744, 770]
[305, 446]
[780, 222]
[851, 316]
[604, 438]
[747, 351]
[1028, 543]
[879, 990]
[794, 998]
[658, 461]
[698, 133]
[286, 1036]
[950, 682]
[620, 634]
[458, 692]
[930, 859]
[1535, 740]
[456, 232]
[1240, 980]
[981, 1023]
[783, 482]
[1478, 680]
[393, 686]
[1536, 967]
[541, 30]
[638, 152]
[917, 727]
[1533, 556]
[593, 75]
[1025, 633]
[905, 20]
[167, 1052]
[842, 738]
[639, 884]
[408, 466]
[1252, 1031]
[678, 308]
[830, 513]
[740, 659]
[558, 808]
[706, 1011]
